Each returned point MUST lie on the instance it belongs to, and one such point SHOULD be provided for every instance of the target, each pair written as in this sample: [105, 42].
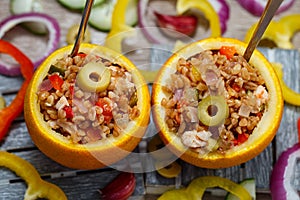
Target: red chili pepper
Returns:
[9, 113]
[107, 111]
[228, 51]
[56, 81]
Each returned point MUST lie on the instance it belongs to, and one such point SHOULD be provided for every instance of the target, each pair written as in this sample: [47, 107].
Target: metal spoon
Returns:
[263, 23]
[82, 27]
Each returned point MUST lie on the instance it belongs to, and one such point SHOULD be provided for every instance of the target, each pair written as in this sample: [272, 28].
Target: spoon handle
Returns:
[82, 27]
[263, 23]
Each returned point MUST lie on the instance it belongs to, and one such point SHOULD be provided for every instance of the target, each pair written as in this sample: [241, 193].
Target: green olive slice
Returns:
[93, 77]
[213, 110]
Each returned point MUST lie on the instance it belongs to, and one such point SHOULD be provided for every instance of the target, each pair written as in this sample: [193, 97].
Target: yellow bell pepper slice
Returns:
[2, 102]
[275, 32]
[197, 187]
[280, 32]
[119, 29]
[170, 171]
[292, 22]
[206, 8]
[289, 95]
[37, 187]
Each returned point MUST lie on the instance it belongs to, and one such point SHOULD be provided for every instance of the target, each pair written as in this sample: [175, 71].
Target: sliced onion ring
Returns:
[282, 174]
[54, 37]
[280, 182]
[256, 7]
[142, 6]
[223, 10]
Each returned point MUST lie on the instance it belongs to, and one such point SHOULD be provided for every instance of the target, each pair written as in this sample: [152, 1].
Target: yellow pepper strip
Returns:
[170, 171]
[37, 188]
[292, 22]
[289, 95]
[206, 8]
[275, 32]
[280, 32]
[2, 102]
[119, 29]
[197, 187]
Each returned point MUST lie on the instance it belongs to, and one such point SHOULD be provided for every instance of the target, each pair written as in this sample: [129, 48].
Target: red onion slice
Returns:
[282, 174]
[54, 37]
[142, 22]
[222, 8]
[256, 7]
[280, 183]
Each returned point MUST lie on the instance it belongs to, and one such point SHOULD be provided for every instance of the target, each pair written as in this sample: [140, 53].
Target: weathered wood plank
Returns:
[10, 84]
[84, 185]
[17, 137]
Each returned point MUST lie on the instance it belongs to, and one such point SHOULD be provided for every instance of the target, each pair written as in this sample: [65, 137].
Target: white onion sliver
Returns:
[54, 37]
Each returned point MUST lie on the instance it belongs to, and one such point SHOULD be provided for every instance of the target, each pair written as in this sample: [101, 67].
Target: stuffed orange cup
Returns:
[88, 111]
[213, 109]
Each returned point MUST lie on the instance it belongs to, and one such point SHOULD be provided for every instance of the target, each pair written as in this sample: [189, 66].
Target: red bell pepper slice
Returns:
[9, 113]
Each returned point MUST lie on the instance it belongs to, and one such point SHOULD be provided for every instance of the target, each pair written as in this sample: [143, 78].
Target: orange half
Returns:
[91, 155]
[262, 134]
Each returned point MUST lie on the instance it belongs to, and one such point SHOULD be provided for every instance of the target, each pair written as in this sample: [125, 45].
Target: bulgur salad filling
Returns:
[88, 98]
[215, 100]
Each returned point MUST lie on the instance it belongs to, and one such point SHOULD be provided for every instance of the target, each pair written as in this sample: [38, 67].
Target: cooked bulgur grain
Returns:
[84, 116]
[209, 73]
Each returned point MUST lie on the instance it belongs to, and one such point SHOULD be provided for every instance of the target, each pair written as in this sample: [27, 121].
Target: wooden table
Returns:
[84, 184]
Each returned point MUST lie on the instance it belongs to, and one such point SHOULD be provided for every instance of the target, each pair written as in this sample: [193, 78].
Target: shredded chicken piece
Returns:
[195, 139]
[62, 102]
[261, 94]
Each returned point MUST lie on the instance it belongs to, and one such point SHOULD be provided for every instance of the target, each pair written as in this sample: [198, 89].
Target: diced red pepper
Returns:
[228, 51]
[241, 138]
[69, 112]
[81, 54]
[56, 81]
[71, 89]
[236, 87]
[107, 110]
